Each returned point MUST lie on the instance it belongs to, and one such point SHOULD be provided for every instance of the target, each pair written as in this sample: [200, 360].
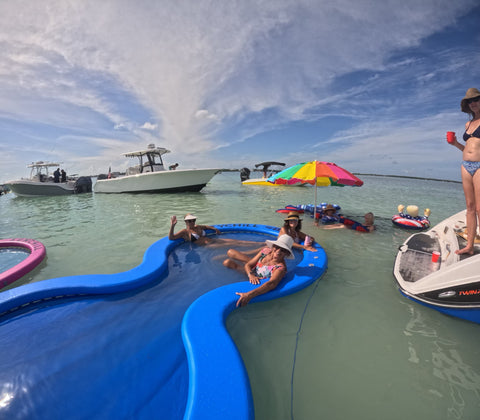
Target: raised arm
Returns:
[171, 235]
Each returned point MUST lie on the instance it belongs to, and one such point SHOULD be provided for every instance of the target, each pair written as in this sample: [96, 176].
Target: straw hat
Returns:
[330, 207]
[471, 93]
[284, 242]
[293, 215]
[189, 217]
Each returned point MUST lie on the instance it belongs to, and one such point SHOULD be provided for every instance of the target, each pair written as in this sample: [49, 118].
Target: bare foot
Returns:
[465, 250]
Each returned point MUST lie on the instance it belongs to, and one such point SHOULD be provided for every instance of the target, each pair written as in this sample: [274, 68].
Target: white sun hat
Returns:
[285, 242]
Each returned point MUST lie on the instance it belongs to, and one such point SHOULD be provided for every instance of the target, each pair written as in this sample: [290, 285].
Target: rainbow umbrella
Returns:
[320, 174]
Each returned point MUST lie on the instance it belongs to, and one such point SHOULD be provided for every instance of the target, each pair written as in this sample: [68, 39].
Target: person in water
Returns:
[367, 227]
[292, 227]
[470, 104]
[329, 215]
[269, 264]
[192, 232]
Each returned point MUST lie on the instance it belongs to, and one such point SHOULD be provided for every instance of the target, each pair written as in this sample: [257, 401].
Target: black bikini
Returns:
[476, 133]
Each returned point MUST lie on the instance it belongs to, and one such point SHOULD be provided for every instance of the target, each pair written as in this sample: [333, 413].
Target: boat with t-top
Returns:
[267, 171]
[43, 182]
[150, 176]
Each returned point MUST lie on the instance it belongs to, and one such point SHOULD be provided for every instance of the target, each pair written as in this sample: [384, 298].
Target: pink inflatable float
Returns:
[37, 254]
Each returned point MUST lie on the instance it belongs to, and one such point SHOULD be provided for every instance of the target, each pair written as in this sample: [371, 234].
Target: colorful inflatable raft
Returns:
[411, 219]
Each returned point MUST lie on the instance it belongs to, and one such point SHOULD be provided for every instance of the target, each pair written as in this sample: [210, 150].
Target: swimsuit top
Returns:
[476, 133]
[265, 271]
[194, 236]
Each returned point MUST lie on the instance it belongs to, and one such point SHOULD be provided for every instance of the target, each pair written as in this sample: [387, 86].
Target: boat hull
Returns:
[25, 188]
[157, 182]
[450, 285]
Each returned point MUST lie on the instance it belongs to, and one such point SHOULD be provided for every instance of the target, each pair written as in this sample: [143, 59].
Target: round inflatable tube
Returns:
[290, 208]
[409, 222]
[37, 254]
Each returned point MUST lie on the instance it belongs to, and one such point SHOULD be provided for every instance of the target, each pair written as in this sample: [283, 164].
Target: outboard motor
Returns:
[83, 185]
[244, 174]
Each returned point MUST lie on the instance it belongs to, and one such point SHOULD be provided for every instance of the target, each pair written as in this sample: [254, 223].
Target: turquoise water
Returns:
[348, 347]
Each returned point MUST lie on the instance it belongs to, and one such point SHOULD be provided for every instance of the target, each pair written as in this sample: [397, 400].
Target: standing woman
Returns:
[470, 104]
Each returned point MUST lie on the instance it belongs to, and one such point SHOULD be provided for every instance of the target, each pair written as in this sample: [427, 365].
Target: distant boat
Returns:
[245, 174]
[150, 176]
[41, 182]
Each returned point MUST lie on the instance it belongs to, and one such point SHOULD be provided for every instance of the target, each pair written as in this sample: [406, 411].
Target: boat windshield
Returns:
[39, 170]
[149, 160]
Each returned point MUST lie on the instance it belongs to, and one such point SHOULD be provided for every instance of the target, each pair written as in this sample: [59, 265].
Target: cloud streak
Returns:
[196, 76]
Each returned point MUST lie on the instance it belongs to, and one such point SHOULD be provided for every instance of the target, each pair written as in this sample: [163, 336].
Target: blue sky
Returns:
[370, 85]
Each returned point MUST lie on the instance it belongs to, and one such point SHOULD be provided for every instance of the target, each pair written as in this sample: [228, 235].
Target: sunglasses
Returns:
[275, 247]
[471, 100]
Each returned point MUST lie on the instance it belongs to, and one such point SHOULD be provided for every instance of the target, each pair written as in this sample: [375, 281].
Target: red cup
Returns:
[435, 256]
[450, 136]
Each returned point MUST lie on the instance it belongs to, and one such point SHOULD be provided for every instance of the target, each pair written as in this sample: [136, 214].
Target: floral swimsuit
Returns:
[265, 271]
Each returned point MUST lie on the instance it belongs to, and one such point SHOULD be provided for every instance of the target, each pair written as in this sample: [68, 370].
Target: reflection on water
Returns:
[11, 257]
[457, 379]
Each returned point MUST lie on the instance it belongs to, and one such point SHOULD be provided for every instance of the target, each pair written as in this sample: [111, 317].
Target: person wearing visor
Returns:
[192, 232]
[269, 264]
[470, 104]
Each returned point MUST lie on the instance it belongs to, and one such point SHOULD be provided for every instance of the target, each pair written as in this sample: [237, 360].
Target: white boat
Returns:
[449, 284]
[150, 176]
[41, 182]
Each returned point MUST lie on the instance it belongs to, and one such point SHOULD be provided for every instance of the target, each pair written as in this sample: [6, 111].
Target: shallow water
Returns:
[350, 346]
[10, 257]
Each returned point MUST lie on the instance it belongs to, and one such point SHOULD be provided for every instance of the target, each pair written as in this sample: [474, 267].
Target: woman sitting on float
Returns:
[292, 227]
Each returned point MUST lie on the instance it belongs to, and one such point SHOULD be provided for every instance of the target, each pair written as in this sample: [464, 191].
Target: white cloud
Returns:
[198, 68]
[149, 126]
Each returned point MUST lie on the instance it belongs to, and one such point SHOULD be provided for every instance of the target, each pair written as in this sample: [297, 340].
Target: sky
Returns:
[372, 85]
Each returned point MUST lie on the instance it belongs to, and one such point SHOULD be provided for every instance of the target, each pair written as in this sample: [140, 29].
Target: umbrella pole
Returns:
[315, 206]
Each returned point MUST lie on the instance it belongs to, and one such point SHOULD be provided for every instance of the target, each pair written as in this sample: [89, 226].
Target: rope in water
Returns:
[296, 345]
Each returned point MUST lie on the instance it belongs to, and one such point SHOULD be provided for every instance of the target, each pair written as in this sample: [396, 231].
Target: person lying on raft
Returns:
[367, 227]
[192, 232]
[292, 227]
[269, 264]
